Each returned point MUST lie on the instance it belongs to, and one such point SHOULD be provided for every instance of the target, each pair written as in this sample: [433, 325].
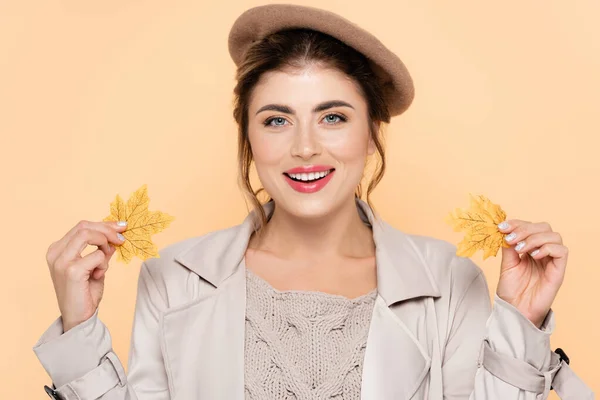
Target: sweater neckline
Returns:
[331, 296]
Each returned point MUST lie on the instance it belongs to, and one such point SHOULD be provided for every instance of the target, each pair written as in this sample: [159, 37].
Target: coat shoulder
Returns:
[175, 282]
[450, 272]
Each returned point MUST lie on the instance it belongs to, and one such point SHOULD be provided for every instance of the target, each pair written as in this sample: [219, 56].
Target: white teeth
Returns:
[311, 176]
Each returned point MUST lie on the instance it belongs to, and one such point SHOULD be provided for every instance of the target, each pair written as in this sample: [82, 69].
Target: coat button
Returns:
[562, 354]
[52, 393]
[563, 357]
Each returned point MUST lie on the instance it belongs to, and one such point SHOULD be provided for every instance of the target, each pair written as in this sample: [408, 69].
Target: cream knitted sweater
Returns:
[303, 345]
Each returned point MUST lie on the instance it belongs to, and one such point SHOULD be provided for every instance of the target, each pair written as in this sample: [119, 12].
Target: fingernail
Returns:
[121, 237]
[510, 237]
[533, 253]
[503, 225]
[122, 223]
[520, 245]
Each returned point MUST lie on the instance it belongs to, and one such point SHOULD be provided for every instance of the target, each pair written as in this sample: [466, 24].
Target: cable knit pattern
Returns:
[304, 345]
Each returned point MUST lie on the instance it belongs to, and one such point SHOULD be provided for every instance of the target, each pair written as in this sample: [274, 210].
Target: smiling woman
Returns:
[334, 115]
[313, 296]
[338, 137]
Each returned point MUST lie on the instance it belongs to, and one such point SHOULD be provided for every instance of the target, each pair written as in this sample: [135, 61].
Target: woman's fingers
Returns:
[80, 270]
[554, 250]
[526, 237]
[103, 267]
[519, 230]
[109, 228]
[559, 254]
[99, 237]
[536, 240]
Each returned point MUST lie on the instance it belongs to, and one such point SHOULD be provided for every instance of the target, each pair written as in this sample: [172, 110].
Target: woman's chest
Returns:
[345, 276]
[205, 349]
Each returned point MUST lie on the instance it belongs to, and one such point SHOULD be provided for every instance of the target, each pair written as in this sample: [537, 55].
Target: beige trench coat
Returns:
[433, 333]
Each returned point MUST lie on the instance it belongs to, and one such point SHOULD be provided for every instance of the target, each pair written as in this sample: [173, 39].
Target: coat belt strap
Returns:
[96, 382]
[523, 375]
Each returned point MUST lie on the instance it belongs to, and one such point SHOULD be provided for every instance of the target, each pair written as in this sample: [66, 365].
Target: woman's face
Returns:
[309, 135]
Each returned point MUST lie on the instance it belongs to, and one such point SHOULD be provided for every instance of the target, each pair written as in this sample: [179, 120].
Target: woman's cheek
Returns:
[270, 151]
[347, 147]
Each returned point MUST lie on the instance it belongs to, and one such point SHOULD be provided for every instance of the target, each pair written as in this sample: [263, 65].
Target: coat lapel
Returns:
[203, 344]
[399, 348]
[203, 341]
[395, 362]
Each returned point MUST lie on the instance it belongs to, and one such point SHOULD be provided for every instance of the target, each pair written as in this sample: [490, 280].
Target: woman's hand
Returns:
[79, 281]
[532, 269]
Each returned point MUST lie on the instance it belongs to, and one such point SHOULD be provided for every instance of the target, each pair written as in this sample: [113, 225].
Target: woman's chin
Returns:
[309, 206]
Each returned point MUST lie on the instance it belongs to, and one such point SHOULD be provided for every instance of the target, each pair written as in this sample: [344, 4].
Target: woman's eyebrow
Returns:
[319, 107]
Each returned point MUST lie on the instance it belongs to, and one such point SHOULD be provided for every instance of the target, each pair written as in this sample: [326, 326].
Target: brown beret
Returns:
[258, 22]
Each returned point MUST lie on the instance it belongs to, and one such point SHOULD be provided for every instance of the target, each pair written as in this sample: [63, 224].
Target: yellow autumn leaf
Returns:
[480, 224]
[141, 224]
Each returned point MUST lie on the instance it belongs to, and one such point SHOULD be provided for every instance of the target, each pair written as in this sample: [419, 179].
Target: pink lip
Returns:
[309, 168]
[309, 187]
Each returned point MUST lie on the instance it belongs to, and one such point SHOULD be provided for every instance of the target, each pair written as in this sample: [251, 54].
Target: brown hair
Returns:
[297, 48]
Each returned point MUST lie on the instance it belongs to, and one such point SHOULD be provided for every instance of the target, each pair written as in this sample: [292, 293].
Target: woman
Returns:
[312, 296]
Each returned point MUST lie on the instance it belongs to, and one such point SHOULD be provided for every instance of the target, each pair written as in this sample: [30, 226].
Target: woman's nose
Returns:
[305, 144]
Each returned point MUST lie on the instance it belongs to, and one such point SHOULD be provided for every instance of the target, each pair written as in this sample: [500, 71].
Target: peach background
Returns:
[97, 98]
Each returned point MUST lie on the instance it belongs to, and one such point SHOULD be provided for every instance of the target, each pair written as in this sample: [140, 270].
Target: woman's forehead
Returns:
[304, 87]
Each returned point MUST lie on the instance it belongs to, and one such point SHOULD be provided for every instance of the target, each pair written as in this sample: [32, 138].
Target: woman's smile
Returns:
[309, 178]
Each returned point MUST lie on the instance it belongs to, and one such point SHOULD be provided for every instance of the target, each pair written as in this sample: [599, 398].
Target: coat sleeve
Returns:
[495, 352]
[83, 365]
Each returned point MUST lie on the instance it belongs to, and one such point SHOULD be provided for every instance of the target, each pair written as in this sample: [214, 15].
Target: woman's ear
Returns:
[371, 148]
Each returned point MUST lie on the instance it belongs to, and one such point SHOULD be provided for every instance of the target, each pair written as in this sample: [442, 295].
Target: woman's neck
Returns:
[341, 233]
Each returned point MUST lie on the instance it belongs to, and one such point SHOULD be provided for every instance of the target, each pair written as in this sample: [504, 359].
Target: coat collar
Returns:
[402, 272]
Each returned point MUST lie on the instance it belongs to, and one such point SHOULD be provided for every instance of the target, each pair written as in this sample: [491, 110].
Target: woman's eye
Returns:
[334, 120]
[276, 119]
